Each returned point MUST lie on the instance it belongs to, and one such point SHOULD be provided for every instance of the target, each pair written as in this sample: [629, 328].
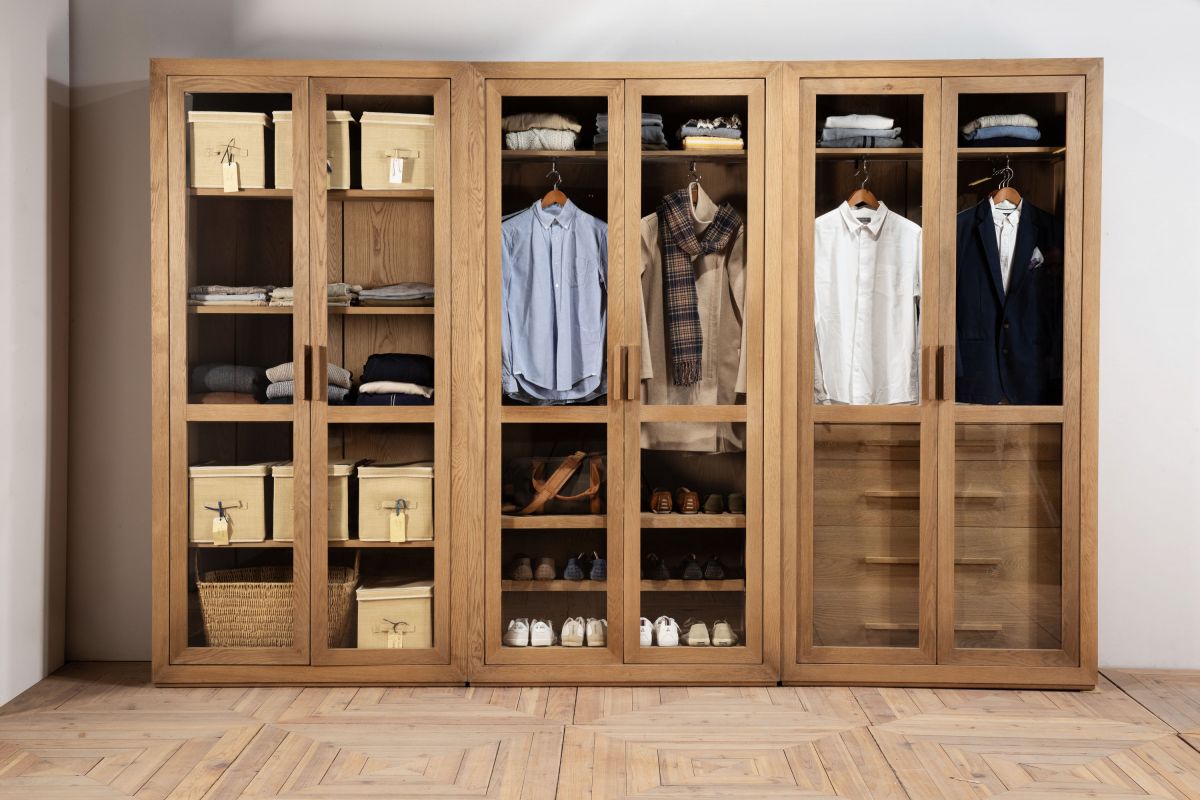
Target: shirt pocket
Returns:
[583, 272]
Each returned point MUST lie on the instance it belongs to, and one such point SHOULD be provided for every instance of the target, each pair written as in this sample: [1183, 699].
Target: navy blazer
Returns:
[1009, 343]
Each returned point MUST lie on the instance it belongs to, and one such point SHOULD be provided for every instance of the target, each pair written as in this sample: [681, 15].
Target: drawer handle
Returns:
[914, 560]
[912, 626]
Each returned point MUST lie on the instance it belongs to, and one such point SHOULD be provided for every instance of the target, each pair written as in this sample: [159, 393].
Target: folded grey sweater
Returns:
[337, 376]
[227, 378]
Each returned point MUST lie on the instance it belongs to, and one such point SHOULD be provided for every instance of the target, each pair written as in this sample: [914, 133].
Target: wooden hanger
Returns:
[554, 195]
[862, 196]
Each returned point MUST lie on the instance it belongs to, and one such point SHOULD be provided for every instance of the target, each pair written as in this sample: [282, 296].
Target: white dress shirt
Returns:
[867, 290]
[1006, 236]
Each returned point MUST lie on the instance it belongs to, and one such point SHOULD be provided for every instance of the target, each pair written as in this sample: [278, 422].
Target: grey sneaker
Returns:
[723, 635]
[697, 633]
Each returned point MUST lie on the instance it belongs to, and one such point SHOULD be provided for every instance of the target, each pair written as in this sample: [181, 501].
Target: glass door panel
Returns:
[237, 545]
[381, 176]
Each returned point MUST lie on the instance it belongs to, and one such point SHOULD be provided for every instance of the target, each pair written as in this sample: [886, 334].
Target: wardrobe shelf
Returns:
[554, 586]
[265, 194]
[594, 414]
[693, 155]
[339, 195]
[232, 309]
[596, 156]
[972, 153]
[694, 586]
[552, 521]
[367, 415]
[675, 520]
[355, 544]
[269, 544]
[870, 153]
[239, 412]
[387, 311]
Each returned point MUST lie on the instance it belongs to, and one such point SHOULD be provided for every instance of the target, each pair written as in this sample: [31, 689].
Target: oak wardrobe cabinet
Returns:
[881, 532]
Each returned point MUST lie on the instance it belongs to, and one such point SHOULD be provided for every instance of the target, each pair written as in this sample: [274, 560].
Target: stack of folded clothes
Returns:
[396, 379]
[411, 293]
[719, 133]
[226, 383]
[339, 294]
[218, 295]
[1002, 130]
[860, 130]
[653, 137]
[540, 131]
[282, 386]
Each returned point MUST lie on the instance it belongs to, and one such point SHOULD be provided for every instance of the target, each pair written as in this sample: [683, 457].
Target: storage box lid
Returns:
[417, 469]
[226, 117]
[337, 469]
[395, 590]
[330, 116]
[385, 118]
[230, 471]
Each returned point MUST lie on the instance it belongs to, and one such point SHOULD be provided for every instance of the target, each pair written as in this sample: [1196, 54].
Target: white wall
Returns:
[34, 125]
[1150, 383]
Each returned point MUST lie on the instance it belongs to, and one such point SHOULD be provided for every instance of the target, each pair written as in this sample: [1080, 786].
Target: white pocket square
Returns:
[1037, 259]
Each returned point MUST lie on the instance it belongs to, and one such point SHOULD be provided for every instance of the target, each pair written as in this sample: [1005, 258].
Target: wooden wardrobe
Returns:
[932, 542]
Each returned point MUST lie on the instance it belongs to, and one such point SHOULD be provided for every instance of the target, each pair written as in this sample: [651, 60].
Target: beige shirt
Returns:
[721, 292]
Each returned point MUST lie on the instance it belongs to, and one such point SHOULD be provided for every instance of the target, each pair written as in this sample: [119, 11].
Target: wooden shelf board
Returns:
[554, 155]
[266, 194]
[561, 414]
[367, 415]
[969, 153]
[710, 156]
[238, 412]
[266, 543]
[674, 520]
[870, 153]
[382, 310]
[554, 586]
[360, 544]
[234, 309]
[551, 521]
[339, 195]
[694, 586]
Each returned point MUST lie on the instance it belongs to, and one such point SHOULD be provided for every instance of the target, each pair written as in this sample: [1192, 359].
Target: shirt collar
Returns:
[873, 227]
[564, 216]
[704, 211]
[1000, 218]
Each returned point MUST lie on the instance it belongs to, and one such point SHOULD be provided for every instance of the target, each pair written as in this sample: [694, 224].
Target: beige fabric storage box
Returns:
[214, 134]
[283, 503]
[395, 615]
[337, 148]
[406, 139]
[240, 491]
[381, 487]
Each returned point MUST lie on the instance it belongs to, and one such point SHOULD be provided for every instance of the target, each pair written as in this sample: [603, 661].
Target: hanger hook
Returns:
[866, 173]
[554, 173]
[692, 174]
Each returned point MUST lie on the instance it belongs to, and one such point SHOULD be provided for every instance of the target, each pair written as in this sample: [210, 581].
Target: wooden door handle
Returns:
[633, 372]
[616, 373]
[321, 375]
[305, 373]
[944, 365]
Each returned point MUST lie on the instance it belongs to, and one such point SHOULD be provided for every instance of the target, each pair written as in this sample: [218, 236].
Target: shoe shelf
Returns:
[554, 521]
[652, 520]
[358, 543]
[676, 585]
[554, 586]
[563, 414]
[266, 543]
[379, 414]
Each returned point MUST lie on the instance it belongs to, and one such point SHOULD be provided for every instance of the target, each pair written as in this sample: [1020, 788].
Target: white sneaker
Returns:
[541, 633]
[646, 633]
[666, 632]
[697, 635]
[572, 632]
[517, 634]
[723, 635]
[597, 632]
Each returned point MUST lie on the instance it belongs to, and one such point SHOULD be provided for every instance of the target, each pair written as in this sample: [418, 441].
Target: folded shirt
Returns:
[227, 378]
[731, 121]
[696, 130]
[337, 376]
[540, 139]
[282, 389]
[995, 120]
[217, 288]
[395, 301]
[410, 290]
[395, 387]
[1000, 141]
[337, 397]
[222, 398]
[547, 120]
[401, 367]
[227, 299]
[863, 141]
[871, 121]
[711, 143]
[649, 136]
[393, 400]
[648, 119]
[833, 134]
[1022, 132]
[332, 290]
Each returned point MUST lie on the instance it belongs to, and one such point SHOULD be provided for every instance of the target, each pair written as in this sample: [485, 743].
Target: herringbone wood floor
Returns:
[101, 731]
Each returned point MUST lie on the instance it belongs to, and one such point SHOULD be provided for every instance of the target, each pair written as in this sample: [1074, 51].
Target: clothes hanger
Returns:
[862, 196]
[1006, 197]
[554, 195]
[693, 183]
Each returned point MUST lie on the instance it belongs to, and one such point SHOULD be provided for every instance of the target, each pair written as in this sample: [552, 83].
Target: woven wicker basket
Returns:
[254, 606]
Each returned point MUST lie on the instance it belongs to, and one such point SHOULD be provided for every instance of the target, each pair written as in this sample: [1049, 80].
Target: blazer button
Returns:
[1006, 326]
[1004, 351]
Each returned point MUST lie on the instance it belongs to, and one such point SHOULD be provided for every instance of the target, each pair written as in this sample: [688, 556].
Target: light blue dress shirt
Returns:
[555, 282]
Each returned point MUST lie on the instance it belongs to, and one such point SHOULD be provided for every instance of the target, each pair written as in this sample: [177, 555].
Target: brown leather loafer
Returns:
[687, 501]
[660, 501]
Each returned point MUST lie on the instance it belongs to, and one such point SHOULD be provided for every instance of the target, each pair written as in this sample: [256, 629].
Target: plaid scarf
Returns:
[677, 232]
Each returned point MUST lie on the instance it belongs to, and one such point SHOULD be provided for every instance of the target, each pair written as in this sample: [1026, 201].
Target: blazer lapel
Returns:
[1027, 233]
[987, 236]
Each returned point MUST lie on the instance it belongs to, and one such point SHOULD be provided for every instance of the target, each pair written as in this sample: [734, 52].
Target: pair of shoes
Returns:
[713, 569]
[654, 568]
[576, 632]
[593, 567]
[685, 501]
[718, 504]
[663, 632]
[523, 633]
[698, 635]
[523, 570]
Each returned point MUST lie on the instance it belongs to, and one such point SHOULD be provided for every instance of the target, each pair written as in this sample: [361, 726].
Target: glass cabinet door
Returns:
[555, 278]
[868, 295]
[380, 175]
[1010, 356]
[693, 383]
[238, 231]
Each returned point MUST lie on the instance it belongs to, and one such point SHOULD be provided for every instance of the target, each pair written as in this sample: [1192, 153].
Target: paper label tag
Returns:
[229, 176]
[398, 527]
[395, 640]
[396, 171]
[220, 530]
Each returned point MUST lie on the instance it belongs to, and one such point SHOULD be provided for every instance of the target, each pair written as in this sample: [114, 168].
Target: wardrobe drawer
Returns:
[876, 559]
[866, 442]
[866, 618]
[1025, 442]
[867, 493]
[1008, 494]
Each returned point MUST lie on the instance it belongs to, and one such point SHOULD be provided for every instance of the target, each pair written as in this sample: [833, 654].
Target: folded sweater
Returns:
[863, 141]
[402, 367]
[994, 120]
[1023, 132]
[833, 134]
[338, 376]
[547, 120]
[711, 143]
[283, 389]
[217, 288]
[872, 121]
[227, 378]
[723, 132]
[393, 400]
[395, 387]
[409, 290]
